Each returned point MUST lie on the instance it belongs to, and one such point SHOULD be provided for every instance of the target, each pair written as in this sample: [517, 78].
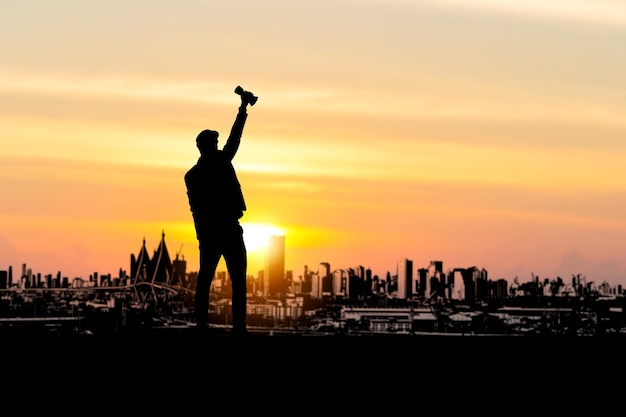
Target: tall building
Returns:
[274, 275]
[321, 281]
[457, 284]
[359, 282]
[179, 273]
[405, 279]
[340, 283]
[307, 281]
[435, 280]
[326, 279]
[4, 280]
[316, 285]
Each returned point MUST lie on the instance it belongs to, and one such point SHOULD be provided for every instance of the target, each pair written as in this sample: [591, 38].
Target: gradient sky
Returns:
[478, 133]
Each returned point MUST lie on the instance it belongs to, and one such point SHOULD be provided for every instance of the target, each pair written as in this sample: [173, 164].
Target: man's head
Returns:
[206, 141]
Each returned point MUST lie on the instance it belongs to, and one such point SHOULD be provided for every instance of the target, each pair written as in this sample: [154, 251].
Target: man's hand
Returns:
[246, 96]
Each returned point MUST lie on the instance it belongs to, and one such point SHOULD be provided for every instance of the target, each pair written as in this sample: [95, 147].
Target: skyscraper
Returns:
[405, 278]
[321, 281]
[274, 275]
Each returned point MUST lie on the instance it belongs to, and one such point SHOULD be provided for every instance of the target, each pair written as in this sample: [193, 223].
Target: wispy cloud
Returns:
[122, 86]
[593, 11]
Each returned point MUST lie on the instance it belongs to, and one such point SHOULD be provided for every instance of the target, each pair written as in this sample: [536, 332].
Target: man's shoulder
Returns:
[191, 172]
[206, 166]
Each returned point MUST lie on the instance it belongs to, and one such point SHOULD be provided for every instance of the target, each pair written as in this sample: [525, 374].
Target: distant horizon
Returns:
[313, 267]
[256, 262]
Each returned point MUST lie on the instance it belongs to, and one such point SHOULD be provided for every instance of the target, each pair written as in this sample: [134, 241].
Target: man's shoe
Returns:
[203, 330]
[240, 332]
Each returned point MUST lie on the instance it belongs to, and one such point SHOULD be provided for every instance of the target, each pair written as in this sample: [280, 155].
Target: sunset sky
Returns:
[487, 133]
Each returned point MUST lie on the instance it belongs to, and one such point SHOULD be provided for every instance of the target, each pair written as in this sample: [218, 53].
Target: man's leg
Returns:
[236, 258]
[209, 258]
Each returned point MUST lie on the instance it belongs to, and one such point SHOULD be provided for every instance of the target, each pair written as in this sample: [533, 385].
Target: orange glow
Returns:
[256, 236]
[488, 134]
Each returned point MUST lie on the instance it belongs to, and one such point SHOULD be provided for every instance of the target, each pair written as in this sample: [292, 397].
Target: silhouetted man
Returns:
[217, 204]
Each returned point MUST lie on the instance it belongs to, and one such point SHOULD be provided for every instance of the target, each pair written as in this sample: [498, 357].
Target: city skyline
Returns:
[275, 271]
[479, 133]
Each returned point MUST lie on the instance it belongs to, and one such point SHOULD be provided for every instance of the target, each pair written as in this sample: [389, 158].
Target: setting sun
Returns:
[257, 235]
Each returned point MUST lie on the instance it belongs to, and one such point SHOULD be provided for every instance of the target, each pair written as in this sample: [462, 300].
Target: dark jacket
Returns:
[213, 189]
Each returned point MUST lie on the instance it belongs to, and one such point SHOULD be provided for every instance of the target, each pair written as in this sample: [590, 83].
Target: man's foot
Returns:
[203, 330]
[240, 332]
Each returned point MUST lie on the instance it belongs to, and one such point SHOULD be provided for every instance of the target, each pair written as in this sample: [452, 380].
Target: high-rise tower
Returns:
[274, 274]
[405, 278]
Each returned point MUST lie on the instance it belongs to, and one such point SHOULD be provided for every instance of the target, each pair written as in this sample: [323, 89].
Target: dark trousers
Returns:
[226, 241]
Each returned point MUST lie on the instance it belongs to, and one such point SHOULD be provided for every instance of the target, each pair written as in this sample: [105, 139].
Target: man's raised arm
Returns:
[234, 139]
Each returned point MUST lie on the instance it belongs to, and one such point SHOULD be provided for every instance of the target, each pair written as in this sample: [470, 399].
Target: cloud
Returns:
[600, 11]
